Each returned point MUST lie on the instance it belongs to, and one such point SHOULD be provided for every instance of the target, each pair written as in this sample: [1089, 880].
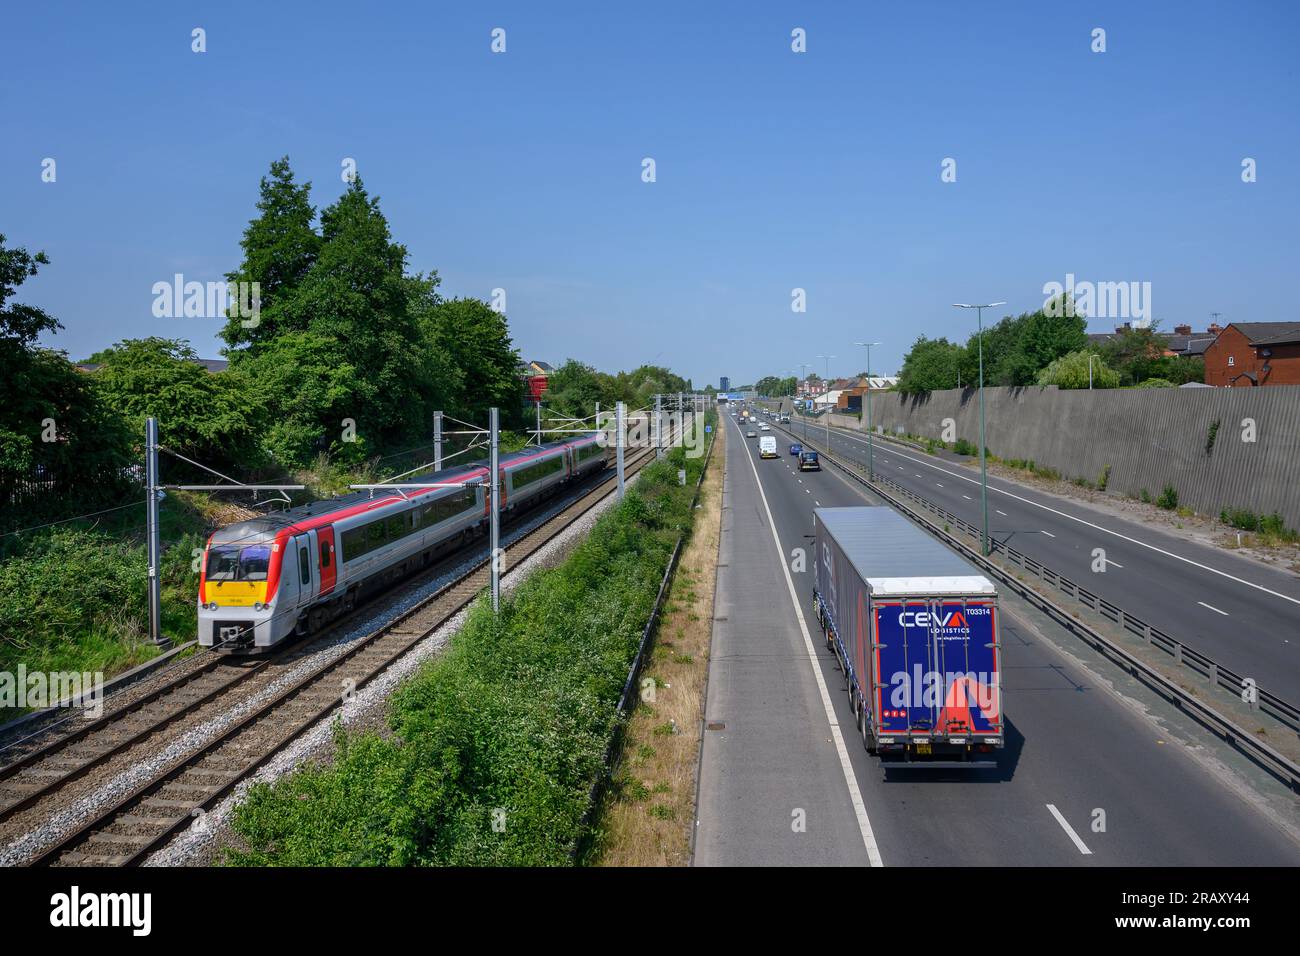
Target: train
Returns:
[287, 574]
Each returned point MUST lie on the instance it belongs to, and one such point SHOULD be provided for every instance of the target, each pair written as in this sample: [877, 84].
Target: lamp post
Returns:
[871, 447]
[984, 475]
[804, 416]
[828, 395]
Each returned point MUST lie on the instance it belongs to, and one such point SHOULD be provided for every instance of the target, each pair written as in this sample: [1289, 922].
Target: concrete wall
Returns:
[1149, 437]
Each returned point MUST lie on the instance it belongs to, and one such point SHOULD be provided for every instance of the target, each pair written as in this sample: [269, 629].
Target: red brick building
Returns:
[1254, 353]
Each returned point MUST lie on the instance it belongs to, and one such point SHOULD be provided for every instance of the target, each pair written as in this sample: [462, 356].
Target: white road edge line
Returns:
[1069, 831]
[1152, 547]
[1213, 608]
[855, 794]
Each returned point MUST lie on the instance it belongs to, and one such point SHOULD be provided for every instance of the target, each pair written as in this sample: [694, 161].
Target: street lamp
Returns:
[828, 403]
[984, 475]
[871, 447]
[804, 410]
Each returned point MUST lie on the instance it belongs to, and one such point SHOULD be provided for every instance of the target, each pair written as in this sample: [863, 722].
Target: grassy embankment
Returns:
[494, 744]
[647, 815]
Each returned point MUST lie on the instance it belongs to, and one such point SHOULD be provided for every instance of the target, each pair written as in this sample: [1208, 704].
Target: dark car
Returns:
[796, 448]
[808, 461]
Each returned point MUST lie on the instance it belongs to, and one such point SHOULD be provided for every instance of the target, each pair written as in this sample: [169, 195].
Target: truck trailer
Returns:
[915, 629]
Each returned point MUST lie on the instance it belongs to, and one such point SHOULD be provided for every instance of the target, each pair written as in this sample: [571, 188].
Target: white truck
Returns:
[767, 447]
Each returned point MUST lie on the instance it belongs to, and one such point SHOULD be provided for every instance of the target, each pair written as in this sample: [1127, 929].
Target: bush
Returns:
[498, 741]
[1156, 383]
[73, 599]
[1270, 526]
[1168, 499]
[1104, 480]
[1071, 371]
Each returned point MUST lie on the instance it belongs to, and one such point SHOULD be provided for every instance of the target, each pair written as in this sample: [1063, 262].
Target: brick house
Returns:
[1254, 353]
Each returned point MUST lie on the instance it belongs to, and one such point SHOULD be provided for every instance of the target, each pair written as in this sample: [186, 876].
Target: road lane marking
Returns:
[1048, 533]
[1213, 608]
[1124, 537]
[1069, 831]
[940, 485]
[969, 498]
[855, 794]
[1003, 513]
[1116, 563]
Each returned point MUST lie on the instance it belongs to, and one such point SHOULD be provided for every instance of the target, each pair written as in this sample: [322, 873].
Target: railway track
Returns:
[125, 832]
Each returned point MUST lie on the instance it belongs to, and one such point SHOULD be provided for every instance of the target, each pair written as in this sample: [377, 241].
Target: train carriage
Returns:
[266, 579]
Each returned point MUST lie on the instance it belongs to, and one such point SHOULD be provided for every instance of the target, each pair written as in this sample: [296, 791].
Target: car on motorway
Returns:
[808, 461]
[767, 446]
[765, 426]
[796, 448]
[751, 434]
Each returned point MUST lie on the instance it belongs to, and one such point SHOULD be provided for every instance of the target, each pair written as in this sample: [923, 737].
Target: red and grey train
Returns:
[269, 578]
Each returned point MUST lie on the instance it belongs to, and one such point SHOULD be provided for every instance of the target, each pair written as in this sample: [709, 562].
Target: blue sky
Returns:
[775, 170]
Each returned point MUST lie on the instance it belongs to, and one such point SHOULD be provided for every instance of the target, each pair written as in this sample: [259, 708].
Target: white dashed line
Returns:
[1069, 831]
[1003, 513]
[1048, 533]
[967, 497]
[1212, 608]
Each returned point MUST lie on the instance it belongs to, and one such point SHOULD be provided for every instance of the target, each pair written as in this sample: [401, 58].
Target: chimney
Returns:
[1182, 330]
[1214, 328]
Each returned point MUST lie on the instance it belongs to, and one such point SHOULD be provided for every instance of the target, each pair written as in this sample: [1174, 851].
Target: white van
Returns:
[767, 446]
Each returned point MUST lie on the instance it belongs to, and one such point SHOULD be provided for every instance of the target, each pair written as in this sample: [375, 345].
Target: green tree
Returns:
[574, 388]
[53, 427]
[280, 247]
[1137, 353]
[929, 365]
[216, 419]
[1071, 371]
[475, 340]
[306, 378]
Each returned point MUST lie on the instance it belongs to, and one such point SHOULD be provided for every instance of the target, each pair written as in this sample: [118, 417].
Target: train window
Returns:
[526, 476]
[304, 565]
[324, 554]
[254, 561]
[223, 564]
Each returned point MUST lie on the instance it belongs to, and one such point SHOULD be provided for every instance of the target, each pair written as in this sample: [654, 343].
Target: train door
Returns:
[326, 555]
[302, 546]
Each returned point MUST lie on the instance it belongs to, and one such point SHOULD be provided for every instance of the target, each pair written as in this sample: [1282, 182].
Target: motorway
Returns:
[1244, 615]
[784, 779]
